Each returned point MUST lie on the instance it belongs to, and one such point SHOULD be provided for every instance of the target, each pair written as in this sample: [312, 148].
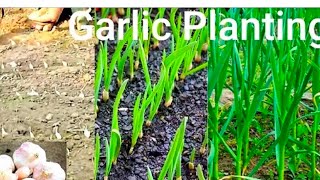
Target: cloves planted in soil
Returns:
[197, 57]
[105, 95]
[169, 102]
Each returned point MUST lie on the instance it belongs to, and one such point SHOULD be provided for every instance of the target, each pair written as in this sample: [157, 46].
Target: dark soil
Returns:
[189, 99]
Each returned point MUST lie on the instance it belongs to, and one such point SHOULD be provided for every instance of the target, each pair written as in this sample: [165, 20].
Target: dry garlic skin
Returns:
[6, 163]
[7, 175]
[49, 171]
[29, 154]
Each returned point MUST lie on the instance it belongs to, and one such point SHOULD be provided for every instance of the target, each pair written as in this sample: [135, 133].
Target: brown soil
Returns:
[46, 81]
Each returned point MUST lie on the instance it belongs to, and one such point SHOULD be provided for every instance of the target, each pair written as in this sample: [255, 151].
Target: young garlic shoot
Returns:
[137, 60]
[115, 137]
[104, 14]
[158, 90]
[144, 65]
[175, 28]
[109, 69]
[122, 61]
[178, 170]
[108, 161]
[187, 63]
[174, 155]
[192, 157]
[196, 69]
[136, 120]
[200, 172]
[146, 43]
[202, 41]
[98, 75]
[96, 155]
[172, 64]
[139, 114]
[203, 37]
[131, 63]
[204, 143]
[149, 174]
[114, 15]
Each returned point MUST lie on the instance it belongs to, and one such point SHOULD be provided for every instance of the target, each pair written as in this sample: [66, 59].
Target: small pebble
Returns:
[74, 115]
[76, 137]
[49, 116]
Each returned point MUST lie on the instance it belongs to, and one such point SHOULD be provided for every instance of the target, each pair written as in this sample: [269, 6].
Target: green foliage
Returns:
[268, 79]
[113, 150]
[174, 155]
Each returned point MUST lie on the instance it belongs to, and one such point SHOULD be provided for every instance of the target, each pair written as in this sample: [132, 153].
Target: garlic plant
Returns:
[172, 165]
[268, 79]
[173, 160]
[113, 150]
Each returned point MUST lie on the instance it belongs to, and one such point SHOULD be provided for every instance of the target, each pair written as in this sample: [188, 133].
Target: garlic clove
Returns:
[6, 163]
[23, 172]
[29, 154]
[49, 171]
[7, 175]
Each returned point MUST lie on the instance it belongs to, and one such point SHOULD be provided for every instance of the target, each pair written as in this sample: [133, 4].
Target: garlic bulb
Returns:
[7, 175]
[23, 172]
[28, 179]
[49, 171]
[29, 154]
[6, 163]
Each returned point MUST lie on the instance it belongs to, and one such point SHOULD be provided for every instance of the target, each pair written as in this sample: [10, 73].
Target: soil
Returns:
[189, 99]
[46, 81]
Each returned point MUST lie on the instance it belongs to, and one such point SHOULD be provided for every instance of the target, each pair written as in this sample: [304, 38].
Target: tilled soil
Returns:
[46, 84]
[189, 99]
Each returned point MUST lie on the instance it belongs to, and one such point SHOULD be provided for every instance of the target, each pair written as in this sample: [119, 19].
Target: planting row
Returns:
[264, 101]
[177, 63]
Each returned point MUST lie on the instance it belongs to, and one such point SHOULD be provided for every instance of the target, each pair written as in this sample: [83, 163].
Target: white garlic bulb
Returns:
[6, 163]
[7, 175]
[23, 172]
[29, 154]
[49, 171]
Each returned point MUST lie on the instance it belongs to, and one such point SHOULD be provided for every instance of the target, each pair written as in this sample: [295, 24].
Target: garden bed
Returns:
[189, 99]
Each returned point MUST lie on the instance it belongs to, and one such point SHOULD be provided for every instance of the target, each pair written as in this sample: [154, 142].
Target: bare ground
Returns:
[46, 84]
